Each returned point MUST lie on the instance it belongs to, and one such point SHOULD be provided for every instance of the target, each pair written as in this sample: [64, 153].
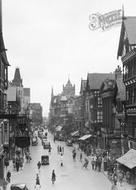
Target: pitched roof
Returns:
[95, 79]
[128, 25]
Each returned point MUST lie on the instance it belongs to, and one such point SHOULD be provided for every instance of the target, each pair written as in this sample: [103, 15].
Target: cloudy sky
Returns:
[49, 40]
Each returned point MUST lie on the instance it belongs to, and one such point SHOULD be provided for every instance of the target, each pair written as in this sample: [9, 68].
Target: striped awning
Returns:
[85, 137]
[75, 133]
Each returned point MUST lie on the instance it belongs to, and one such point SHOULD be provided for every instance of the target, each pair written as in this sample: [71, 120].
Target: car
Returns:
[45, 160]
[18, 186]
[46, 145]
[69, 142]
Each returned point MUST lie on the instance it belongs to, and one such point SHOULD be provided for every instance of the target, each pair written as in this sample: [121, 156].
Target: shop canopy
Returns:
[58, 128]
[75, 133]
[128, 159]
[85, 137]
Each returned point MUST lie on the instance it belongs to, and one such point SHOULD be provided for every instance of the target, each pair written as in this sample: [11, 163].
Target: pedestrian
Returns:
[17, 164]
[61, 159]
[95, 162]
[58, 149]
[99, 163]
[39, 165]
[53, 177]
[8, 176]
[92, 162]
[81, 156]
[21, 163]
[37, 185]
[63, 150]
[74, 156]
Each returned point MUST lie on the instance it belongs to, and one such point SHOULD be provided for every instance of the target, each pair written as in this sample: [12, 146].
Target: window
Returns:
[99, 116]
[99, 102]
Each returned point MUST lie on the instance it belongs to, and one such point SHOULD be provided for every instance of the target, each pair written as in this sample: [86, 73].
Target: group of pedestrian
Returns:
[18, 163]
[96, 162]
[38, 184]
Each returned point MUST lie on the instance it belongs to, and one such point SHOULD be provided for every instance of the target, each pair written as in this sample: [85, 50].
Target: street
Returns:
[72, 176]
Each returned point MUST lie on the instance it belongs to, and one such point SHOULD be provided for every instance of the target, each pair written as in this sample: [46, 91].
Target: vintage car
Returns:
[18, 186]
[44, 160]
[46, 145]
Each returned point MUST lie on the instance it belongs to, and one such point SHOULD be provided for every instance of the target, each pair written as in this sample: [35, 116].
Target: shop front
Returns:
[127, 164]
[86, 143]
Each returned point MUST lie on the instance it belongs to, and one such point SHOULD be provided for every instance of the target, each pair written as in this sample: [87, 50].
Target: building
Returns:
[127, 53]
[3, 99]
[62, 106]
[93, 102]
[17, 82]
[26, 98]
[36, 113]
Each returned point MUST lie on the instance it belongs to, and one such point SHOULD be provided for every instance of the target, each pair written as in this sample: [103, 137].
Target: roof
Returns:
[128, 26]
[95, 79]
[128, 159]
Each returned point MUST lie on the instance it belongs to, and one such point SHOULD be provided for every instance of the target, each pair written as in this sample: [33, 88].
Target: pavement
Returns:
[123, 186]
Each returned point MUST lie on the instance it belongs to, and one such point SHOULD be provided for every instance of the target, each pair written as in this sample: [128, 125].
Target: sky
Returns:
[50, 41]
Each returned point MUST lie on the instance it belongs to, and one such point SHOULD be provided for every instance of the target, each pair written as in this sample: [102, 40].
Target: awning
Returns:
[58, 128]
[128, 159]
[75, 133]
[85, 137]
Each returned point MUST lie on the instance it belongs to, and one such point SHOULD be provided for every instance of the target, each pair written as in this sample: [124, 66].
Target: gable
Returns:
[127, 35]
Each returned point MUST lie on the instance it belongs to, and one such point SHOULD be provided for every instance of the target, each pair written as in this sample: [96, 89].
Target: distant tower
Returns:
[69, 90]
[17, 81]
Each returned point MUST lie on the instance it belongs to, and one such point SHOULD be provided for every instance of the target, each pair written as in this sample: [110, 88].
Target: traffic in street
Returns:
[71, 175]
